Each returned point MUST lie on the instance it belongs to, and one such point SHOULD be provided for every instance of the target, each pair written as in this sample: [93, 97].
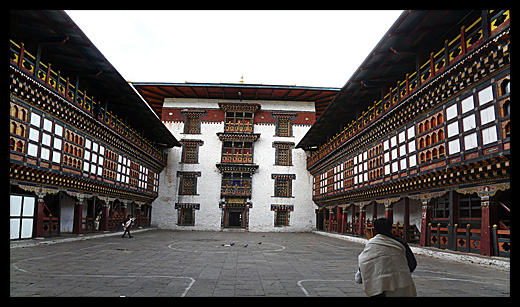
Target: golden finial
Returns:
[242, 79]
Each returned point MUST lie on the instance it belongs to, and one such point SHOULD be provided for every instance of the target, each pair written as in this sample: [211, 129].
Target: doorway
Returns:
[235, 219]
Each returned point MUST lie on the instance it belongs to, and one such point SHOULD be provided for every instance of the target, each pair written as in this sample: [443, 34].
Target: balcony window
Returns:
[239, 122]
[237, 152]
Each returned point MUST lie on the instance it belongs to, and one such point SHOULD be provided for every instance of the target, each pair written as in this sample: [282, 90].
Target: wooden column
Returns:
[345, 220]
[406, 226]
[353, 217]
[38, 229]
[339, 220]
[486, 247]
[103, 224]
[362, 215]
[78, 211]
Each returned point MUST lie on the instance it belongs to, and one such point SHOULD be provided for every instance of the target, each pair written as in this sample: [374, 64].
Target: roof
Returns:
[155, 93]
[70, 51]
[412, 37]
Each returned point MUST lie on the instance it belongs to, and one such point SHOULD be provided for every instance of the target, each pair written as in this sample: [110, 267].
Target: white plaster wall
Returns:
[208, 184]
[261, 218]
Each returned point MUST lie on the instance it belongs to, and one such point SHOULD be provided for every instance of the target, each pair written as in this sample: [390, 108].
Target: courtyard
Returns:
[223, 264]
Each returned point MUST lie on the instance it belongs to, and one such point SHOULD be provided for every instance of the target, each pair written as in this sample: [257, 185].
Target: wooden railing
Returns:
[454, 49]
[43, 73]
[502, 242]
[467, 239]
[438, 235]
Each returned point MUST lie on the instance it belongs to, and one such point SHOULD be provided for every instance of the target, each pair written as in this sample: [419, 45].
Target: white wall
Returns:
[261, 218]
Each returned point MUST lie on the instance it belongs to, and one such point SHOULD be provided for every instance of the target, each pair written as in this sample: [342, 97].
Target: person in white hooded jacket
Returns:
[386, 264]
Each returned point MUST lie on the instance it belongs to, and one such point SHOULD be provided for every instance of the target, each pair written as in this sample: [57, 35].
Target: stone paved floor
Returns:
[189, 263]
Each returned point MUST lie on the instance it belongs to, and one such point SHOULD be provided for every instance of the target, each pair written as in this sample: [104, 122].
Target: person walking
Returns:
[127, 223]
[386, 264]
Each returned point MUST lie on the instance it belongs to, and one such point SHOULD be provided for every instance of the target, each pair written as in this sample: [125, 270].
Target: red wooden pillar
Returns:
[362, 215]
[38, 229]
[339, 220]
[329, 226]
[353, 217]
[78, 211]
[103, 224]
[20, 58]
[406, 226]
[463, 40]
[425, 219]
[345, 219]
[486, 247]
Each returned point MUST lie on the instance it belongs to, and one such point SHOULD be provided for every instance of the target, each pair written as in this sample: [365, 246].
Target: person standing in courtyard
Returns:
[127, 223]
[386, 264]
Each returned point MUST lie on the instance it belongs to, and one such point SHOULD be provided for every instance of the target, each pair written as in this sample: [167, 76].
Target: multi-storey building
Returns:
[85, 148]
[421, 134]
[237, 167]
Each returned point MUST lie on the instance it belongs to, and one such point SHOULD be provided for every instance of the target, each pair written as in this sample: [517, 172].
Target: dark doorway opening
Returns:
[235, 219]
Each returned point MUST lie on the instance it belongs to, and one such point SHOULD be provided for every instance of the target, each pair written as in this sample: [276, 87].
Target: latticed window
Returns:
[239, 122]
[186, 213]
[284, 123]
[441, 207]
[192, 122]
[283, 156]
[283, 185]
[237, 152]
[281, 218]
[281, 214]
[188, 183]
[470, 206]
[190, 151]
[186, 217]
[236, 184]
[283, 128]
[283, 153]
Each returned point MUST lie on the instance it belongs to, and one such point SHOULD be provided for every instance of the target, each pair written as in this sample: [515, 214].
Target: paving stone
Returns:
[285, 264]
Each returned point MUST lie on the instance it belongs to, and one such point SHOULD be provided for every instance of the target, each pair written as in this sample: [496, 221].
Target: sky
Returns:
[320, 48]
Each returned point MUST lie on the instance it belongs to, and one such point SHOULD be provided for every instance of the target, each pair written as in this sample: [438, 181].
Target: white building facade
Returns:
[238, 167]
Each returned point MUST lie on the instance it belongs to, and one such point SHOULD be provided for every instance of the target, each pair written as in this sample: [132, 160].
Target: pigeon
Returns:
[232, 243]
[246, 245]
[260, 242]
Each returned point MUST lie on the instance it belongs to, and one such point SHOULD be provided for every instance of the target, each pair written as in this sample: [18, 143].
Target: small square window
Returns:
[47, 125]
[451, 112]
[467, 104]
[454, 146]
[468, 122]
[470, 141]
[487, 115]
[489, 135]
[35, 119]
[411, 132]
[56, 157]
[485, 95]
[453, 129]
[58, 130]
